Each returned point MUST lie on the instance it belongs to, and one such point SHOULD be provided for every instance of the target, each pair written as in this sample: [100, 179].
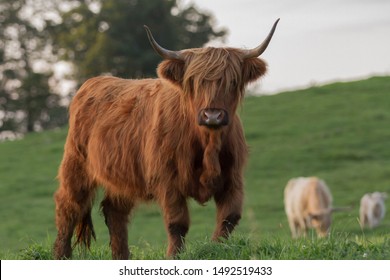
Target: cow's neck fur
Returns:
[208, 168]
[195, 150]
[211, 173]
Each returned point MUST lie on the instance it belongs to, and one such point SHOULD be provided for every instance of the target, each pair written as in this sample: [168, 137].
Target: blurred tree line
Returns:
[94, 37]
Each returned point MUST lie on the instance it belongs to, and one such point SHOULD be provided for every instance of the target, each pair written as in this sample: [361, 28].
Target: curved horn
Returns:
[164, 53]
[262, 47]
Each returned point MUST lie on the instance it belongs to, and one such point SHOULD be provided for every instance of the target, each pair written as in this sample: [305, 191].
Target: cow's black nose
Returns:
[213, 117]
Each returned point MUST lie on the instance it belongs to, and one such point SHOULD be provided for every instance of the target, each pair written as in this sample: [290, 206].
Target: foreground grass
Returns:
[342, 247]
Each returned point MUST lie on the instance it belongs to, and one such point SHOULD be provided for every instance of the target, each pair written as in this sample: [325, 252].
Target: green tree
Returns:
[101, 37]
[26, 98]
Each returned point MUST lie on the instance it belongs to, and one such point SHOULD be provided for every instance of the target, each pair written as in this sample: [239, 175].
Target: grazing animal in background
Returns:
[166, 139]
[372, 209]
[308, 204]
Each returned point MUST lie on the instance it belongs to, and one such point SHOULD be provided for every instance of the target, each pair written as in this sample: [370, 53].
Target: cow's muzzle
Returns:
[213, 117]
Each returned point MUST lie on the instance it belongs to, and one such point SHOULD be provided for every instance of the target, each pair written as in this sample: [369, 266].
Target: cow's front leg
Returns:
[176, 219]
[229, 208]
[293, 226]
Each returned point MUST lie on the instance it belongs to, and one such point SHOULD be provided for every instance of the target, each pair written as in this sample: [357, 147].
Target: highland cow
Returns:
[372, 209]
[308, 204]
[166, 139]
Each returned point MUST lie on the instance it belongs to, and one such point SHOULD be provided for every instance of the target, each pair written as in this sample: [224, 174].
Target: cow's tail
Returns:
[84, 231]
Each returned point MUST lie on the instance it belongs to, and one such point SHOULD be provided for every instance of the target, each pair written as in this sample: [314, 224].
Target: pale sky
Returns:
[316, 42]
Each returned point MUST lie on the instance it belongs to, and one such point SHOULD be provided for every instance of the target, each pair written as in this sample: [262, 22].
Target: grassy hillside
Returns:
[339, 132]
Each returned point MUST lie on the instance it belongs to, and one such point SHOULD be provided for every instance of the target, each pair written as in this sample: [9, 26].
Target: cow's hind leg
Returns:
[73, 201]
[116, 213]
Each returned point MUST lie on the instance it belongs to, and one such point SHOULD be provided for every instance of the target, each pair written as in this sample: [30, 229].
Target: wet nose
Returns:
[213, 117]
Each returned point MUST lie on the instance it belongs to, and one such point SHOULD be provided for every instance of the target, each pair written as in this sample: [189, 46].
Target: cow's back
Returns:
[103, 102]
[110, 118]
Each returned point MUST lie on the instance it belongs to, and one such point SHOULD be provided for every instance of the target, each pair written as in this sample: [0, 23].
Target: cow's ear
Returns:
[253, 68]
[172, 70]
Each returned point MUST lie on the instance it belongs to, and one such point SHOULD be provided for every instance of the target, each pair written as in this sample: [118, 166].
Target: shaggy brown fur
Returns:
[140, 140]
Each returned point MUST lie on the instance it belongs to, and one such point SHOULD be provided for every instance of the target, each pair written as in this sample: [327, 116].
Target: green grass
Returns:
[339, 247]
[339, 132]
